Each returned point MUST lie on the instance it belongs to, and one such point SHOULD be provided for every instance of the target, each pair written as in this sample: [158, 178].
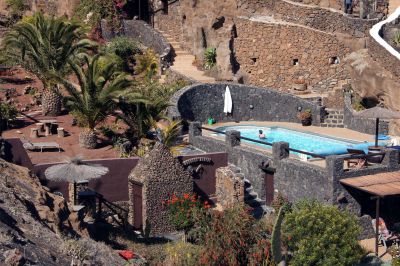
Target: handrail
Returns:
[101, 197]
[266, 143]
[363, 156]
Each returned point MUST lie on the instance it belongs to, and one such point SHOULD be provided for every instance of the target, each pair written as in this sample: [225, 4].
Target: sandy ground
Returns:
[369, 244]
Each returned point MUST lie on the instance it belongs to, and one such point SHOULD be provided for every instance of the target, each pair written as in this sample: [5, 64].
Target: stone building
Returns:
[155, 179]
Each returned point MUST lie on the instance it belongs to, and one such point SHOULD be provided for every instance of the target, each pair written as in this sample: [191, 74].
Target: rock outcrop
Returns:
[37, 228]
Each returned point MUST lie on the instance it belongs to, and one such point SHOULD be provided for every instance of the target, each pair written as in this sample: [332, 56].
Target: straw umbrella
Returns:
[378, 113]
[75, 170]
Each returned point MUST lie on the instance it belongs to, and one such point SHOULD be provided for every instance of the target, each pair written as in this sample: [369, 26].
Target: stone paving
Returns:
[183, 62]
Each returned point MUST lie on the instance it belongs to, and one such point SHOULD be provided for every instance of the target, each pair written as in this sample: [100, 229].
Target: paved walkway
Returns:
[183, 62]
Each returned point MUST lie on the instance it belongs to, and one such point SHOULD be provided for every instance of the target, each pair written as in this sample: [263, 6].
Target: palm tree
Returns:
[139, 113]
[96, 97]
[45, 46]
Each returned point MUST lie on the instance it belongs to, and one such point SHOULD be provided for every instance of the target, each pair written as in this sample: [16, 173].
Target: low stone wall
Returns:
[301, 180]
[173, 76]
[15, 153]
[200, 101]
[314, 17]
[361, 124]
[383, 57]
[229, 187]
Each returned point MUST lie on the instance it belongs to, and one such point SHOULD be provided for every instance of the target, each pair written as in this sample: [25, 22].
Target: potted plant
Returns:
[305, 117]
[210, 121]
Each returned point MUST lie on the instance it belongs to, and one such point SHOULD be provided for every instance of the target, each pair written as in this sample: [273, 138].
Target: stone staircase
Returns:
[183, 62]
[251, 197]
[334, 118]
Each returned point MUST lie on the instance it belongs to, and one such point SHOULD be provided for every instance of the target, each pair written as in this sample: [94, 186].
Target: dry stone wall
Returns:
[229, 187]
[268, 58]
[314, 17]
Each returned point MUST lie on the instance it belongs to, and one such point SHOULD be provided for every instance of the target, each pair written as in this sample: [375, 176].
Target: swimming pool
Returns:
[305, 141]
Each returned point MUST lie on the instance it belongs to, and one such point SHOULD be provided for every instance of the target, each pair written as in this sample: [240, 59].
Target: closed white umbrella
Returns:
[227, 101]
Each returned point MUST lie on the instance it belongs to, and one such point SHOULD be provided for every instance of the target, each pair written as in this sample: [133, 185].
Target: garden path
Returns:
[183, 62]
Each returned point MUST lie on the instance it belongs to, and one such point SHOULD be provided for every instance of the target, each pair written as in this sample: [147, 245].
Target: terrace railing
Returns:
[266, 143]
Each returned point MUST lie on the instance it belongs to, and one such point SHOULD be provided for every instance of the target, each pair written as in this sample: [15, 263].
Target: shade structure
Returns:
[75, 170]
[378, 113]
[227, 101]
[380, 185]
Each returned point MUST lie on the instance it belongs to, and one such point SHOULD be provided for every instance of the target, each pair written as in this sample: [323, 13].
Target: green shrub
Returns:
[276, 243]
[17, 7]
[322, 235]
[395, 252]
[8, 114]
[181, 253]
[210, 58]
[396, 39]
[124, 47]
[232, 237]
[147, 63]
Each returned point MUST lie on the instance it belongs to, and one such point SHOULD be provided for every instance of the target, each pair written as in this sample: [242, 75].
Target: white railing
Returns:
[374, 32]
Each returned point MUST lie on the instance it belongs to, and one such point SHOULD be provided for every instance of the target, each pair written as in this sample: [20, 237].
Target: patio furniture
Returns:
[385, 235]
[40, 127]
[355, 162]
[60, 132]
[48, 124]
[41, 145]
[34, 133]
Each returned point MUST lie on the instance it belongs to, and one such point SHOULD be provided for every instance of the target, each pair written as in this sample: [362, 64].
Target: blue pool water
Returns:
[305, 141]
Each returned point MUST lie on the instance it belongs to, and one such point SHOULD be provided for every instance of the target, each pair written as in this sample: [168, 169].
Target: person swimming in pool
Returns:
[261, 135]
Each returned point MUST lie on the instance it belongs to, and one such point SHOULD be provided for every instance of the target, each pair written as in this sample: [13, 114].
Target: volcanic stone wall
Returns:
[281, 54]
[201, 101]
[314, 17]
[383, 57]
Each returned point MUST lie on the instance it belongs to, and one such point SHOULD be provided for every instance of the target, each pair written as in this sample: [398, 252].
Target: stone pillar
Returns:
[229, 187]
[194, 130]
[280, 150]
[232, 138]
[334, 165]
[391, 158]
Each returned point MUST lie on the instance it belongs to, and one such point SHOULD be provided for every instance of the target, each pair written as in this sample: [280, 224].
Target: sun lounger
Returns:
[356, 162]
[384, 234]
[41, 145]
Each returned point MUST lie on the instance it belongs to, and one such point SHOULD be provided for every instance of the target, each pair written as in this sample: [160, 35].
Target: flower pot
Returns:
[210, 121]
[306, 122]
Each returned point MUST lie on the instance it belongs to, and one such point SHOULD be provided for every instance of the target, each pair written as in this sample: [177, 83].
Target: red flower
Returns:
[186, 196]
[127, 254]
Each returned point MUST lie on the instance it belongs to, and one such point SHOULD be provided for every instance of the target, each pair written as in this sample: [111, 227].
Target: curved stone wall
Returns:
[145, 34]
[380, 50]
[315, 17]
[200, 101]
[150, 37]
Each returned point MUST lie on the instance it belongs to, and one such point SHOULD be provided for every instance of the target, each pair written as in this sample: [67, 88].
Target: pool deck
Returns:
[342, 133]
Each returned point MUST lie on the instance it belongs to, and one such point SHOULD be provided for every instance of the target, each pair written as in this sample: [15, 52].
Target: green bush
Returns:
[17, 7]
[232, 237]
[124, 47]
[181, 253]
[322, 235]
[210, 58]
[396, 39]
[8, 114]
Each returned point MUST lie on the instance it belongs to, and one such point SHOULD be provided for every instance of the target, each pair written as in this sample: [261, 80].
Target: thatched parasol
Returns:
[378, 113]
[75, 170]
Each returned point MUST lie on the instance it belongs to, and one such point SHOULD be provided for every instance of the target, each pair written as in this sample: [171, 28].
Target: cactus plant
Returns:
[276, 236]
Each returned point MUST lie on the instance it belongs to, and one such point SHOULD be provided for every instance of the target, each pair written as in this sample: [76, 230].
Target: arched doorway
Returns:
[137, 8]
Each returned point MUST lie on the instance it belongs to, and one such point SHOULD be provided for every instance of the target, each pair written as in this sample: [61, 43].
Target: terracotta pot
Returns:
[306, 122]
